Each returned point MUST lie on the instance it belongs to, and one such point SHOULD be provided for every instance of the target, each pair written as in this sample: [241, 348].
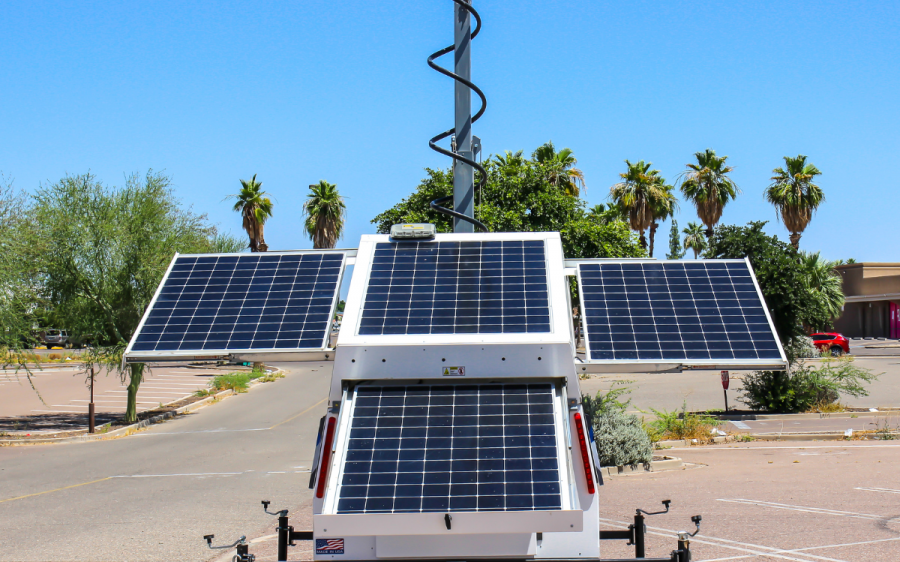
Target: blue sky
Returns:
[301, 91]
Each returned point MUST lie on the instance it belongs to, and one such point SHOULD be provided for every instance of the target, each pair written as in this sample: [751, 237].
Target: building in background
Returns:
[872, 292]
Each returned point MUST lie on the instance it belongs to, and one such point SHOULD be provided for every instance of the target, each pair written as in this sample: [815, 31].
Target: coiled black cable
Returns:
[436, 204]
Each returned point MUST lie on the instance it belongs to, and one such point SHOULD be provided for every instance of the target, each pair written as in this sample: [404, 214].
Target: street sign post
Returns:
[725, 379]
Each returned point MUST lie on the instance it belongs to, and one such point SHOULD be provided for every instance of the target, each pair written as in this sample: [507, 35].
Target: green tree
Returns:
[675, 250]
[19, 279]
[105, 251]
[255, 208]
[693, 238]
[519, 198]
[662, 208]
[225, 244]
[826, 287]
[559, 168]
[324, 211]
[778, 272]
[706, 184]
[794, 194]
[607, 213]
[510, 158]
[644, 194]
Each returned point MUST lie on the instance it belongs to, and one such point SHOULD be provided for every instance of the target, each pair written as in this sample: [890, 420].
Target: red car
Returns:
[831, 342]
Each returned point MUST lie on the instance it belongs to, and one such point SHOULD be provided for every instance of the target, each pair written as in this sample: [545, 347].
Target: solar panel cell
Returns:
[457, 288]
[674, 311]
[248, 302]
[445, 448]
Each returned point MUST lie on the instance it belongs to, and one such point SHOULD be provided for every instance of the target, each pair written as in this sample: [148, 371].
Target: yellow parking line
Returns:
[54, 490]
[316, 405]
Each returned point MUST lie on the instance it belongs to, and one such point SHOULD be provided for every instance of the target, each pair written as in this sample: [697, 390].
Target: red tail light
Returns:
[326, 458]
[586, 460]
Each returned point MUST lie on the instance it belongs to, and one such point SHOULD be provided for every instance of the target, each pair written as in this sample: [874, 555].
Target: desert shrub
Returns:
[621, 439]
[602, 402]
[801, 347]
[826, 407]
[54, 356]
[803, 387]
[681, 425]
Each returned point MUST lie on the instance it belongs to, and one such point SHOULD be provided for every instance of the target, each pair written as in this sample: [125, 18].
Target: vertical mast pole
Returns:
[463, 174]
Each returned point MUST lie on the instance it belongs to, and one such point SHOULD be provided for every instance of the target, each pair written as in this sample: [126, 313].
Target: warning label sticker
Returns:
[453, 371]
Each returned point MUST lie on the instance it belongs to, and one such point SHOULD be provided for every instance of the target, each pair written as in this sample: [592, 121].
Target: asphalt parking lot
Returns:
[60, 397]
[207, 472]
[769, 501]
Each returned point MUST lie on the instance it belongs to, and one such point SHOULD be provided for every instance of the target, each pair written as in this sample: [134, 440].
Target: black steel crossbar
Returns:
[617, 535]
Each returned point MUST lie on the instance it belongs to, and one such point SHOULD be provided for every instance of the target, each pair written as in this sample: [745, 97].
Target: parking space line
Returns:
[316, 405]
[182, 474]
[751, 549]
[201, 431]
[173, 384]
[54, 490]
[797, 550]
[156, 391]
[888, 490]
[818, 510]
[116, 401]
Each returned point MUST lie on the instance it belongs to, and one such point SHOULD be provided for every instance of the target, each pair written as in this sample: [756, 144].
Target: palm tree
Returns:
[640, 190]
[706, 184]
[794, 194]
[662, 208]
[826, 286]
[607, 213]
[510, 159]
[256, 209]
[560, 168]
[324, 211]
[693, 238]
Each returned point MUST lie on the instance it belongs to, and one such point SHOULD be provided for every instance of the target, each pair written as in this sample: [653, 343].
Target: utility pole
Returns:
[463, 174]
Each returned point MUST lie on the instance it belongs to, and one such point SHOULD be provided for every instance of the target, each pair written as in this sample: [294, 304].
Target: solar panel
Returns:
[490, 447]
[702, 310]
[277, 301]
[479, 287]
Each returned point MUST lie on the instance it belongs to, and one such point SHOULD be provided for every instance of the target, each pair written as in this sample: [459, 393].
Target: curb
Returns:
[669, 463]
[815, 416]
[661, 445]
[820, 437]
[689, 442]
[129, 429]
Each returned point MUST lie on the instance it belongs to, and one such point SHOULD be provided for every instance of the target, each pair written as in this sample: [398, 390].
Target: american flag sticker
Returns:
[329, 546]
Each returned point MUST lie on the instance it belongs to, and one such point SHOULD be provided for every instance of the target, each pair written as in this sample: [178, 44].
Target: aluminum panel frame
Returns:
[299, 354]
[556, 281]
[569, 483]
[589, 365]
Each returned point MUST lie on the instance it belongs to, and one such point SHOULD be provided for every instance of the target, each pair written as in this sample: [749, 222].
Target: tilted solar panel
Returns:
[264, 301]
[490, 447]
[675, 311]
[486, 287]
